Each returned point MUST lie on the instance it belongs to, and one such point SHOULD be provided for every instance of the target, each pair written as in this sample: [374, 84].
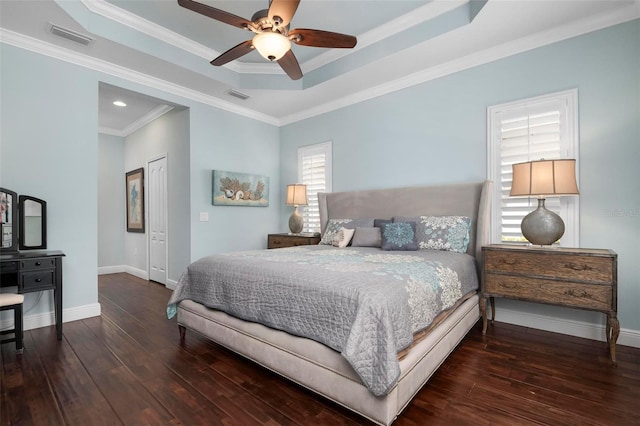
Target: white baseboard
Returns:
[628, 337]
[48, 318]
[103, 270]
[140, 273]
[171, 284]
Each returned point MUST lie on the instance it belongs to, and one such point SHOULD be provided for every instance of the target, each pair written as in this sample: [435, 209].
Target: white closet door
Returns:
[158, 220]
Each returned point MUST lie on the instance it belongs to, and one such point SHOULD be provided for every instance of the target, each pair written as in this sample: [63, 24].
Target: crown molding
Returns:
[111, 131]
[402, 23]
[138, 124]
[492, 54]
[584, 26]
[146, 119]
[124, 17]
[395, 26]
[48, 49]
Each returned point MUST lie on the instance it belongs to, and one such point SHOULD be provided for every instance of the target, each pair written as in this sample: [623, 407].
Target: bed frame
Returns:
[324, 370]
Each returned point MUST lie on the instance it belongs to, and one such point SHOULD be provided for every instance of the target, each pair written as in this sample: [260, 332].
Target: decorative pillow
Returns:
[399, 236]
[378, 222]
[334, 226]
[344, 237]
[449, 233]
[367, 237]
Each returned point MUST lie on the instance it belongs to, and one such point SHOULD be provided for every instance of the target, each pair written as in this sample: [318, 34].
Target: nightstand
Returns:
[291, 240]
[571, 277]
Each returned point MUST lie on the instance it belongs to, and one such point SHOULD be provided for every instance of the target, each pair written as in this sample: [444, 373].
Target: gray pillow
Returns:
[449, 233]
[334, 225]
[399, 236]
[367, 237]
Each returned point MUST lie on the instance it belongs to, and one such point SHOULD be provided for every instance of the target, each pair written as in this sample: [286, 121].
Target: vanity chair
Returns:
[13, 301]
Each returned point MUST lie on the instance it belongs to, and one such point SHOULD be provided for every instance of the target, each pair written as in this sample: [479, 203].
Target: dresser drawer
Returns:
[282, 241]
[9, 267]
[37, 264]
[592, 269]
[37, 279]
[586, 296]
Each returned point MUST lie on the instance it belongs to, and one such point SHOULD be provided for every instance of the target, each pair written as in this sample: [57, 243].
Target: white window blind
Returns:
[527, 130]
[314, 170]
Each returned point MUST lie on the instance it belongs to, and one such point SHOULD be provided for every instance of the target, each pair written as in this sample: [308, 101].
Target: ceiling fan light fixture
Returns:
[271, 45]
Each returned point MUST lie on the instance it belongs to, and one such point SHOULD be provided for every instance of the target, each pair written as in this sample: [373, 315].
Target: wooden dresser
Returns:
[571, 277]
[291, 240]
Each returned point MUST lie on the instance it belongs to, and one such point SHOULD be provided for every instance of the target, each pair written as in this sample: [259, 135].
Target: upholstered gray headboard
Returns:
[461, 199]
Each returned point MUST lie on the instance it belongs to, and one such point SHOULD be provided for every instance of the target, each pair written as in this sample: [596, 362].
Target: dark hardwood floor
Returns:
[128, 367]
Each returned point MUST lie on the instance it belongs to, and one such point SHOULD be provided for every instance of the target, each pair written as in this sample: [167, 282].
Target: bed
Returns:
[343, 343]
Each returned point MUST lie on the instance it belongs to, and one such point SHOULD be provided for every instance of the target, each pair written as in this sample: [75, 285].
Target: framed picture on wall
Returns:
[239, 189]
[135, 200]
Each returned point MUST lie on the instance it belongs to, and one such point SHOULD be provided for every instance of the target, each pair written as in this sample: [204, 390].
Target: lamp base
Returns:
[541, 226]
[296, 222]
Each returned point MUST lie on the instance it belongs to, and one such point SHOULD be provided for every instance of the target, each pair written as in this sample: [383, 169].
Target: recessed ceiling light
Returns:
[119, 103]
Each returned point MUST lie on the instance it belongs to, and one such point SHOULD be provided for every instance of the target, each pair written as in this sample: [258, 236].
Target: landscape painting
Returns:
[239, 189]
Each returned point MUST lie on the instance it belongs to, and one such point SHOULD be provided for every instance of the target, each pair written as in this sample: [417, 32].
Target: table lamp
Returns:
[543, 178]
[296, 196]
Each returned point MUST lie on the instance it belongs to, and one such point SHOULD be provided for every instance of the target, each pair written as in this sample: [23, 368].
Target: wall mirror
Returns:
[8, 220]
[33, 223]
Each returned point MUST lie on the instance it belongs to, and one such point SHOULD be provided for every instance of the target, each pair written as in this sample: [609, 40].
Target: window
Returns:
[314, 170]
[526, 130]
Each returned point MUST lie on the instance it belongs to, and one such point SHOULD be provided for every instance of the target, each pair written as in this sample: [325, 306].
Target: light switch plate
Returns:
[204, 216]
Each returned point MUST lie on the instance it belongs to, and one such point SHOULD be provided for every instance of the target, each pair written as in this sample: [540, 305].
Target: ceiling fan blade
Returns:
[290, 65]
[319, 38]
[233, 53]
[284, 9]
[217, 14]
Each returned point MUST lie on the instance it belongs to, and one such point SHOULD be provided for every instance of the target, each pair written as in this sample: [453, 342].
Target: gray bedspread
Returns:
[362, 302]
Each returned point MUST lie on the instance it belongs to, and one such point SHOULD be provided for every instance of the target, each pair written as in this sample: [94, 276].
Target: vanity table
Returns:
[25, 262]
[35, 270]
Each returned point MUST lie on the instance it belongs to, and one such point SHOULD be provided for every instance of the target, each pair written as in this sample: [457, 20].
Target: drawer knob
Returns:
[577, 267]
[508, 285]
[509, 261]
[38, 280]
[578, 293]
[38, 263]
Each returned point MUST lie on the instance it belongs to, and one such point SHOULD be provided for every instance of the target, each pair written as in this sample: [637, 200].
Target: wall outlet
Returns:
[204, 216]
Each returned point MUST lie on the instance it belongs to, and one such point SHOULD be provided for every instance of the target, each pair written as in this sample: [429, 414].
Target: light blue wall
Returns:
[49, 149]
[230, 142]
[436, 132]
[111, 201]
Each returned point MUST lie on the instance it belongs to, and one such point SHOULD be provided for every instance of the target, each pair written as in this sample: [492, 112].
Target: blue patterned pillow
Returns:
[334, 225]
[449, 233]
[398, 236]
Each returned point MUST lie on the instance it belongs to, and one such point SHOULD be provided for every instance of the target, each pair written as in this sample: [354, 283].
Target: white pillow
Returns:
[343, 238]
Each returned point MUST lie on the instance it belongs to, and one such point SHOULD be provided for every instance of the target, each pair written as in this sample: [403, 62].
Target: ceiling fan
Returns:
[272, 36]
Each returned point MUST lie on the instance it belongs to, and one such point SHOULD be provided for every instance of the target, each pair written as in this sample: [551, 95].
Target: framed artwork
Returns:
[239, 189]
[135, 200]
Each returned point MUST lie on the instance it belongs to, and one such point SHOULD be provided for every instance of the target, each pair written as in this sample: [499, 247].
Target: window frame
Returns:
[569, 148]
[325, 148]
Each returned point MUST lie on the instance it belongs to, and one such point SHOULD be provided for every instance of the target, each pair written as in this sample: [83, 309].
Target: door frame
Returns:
[148, 214]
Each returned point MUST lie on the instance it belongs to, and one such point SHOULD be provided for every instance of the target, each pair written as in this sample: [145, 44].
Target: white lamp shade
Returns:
[297, 195]
[544, 177]
[271, 45]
